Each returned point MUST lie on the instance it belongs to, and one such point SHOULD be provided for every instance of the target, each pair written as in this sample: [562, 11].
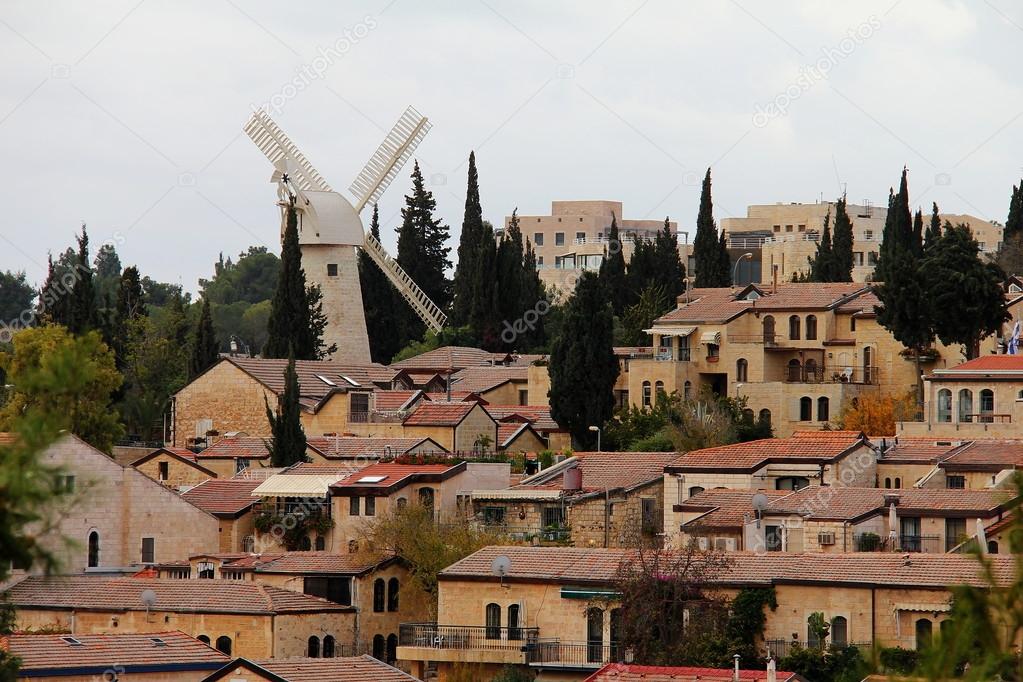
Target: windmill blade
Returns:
[283, 153]
[427, 310]
[389, 157]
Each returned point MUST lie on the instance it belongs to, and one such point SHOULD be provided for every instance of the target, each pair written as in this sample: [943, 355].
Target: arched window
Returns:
[695, 490]
[805, 409]
[379, 647]
[810, 371]
[687, 390]
[794, 327]
[93, 549]
[741, 370]
[823, 409]
[987, 405]
[646, 394]
[992, 546]
[514, 627]
[658, 390]
[224, 644]
[887, 483]
[392, 594]
[923, 633]
[205, 639]
[321, 543]
[392, 648]
[795, 370]
[594, 635]
[768, 329]
[426, 497]
[378, 595]
[493, 621]
[765, 416]
[944, 405]
[811, 327]
[965, 405]
[328, 647]
[313, 649]
[839, 631]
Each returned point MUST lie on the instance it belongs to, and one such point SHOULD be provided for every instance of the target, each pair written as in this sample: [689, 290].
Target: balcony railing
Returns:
[872, 542]
[475, 637]
[550, 653]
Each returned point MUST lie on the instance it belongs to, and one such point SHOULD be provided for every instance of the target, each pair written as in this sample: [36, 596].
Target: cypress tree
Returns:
[379, 301]
[965, 292]
[671, 272]
[1014, 221]
[470, 243]
[83, 312]
[842, 243]
[612, 268]
[205, 348]
[288, 442]
[706, 246]
[583, 366]
[933, 233]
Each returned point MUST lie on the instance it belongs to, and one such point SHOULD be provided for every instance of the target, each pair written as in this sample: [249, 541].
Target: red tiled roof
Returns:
[395, 476]
[357, 446]
[42, 653]
[606, 470]
[306, 562]
[537, 415]
[439, 413]
[624, 672]
[808, 446]
[447, 358]
[185, 596]
[724, 507]
[223, 496]
[720, 304]
[583, 565]
[245, 447]
[483, 379]
[351, 669]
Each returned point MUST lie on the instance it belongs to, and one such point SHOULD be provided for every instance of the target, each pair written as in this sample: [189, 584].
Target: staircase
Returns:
[430, 313]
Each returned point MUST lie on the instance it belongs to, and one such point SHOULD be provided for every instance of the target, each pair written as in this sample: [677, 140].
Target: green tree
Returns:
[842, 242]
[965, 292]
[380, 301]
[82, 405]
[287, 443]
[205, 348]
[612, 269]
[583, 366]
[16, 298]
[471, 247]
[706, 245]
[84, 315]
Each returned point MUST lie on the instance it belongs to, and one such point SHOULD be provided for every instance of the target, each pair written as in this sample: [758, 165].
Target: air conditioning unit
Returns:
[825, 538]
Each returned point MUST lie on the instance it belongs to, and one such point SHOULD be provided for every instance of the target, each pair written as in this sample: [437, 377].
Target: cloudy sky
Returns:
[128, 115]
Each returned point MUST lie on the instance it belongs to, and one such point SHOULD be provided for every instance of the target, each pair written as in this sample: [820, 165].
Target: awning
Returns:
[512, 494]
[671, 331]
[711, 337]
[923, 608]
[295, 485]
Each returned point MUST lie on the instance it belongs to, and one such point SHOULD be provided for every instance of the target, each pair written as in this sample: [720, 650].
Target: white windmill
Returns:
[330, 229]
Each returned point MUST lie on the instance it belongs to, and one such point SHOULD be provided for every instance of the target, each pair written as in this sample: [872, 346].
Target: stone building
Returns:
[235, 617]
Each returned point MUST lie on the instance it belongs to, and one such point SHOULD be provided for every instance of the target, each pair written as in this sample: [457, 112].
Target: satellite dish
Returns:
[148, 598]
[500, 566]
[760, 502]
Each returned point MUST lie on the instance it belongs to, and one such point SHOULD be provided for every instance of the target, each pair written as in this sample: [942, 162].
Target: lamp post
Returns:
[735, 269]
[597, 429]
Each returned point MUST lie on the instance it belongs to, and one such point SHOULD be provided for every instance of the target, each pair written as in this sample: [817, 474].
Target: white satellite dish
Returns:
[148, 598]
[500, 566]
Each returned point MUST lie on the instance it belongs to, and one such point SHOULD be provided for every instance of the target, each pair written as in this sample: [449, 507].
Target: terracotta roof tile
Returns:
[439, 413]
[191, 596]
[482, 379]
[809, 446]
[352, 669]
[45, 652]
[245, 447]
[622, 672]
[223, 496]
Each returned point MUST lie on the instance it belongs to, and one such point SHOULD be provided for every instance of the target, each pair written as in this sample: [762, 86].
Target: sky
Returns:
[127, 115]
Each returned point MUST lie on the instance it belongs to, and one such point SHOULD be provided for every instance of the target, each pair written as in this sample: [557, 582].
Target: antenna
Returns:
[500, 567]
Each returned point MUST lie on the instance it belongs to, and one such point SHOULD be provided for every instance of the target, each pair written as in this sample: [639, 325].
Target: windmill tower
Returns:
[330, 230]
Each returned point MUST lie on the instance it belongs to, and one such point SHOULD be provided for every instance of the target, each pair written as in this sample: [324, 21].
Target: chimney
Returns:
[572, 479]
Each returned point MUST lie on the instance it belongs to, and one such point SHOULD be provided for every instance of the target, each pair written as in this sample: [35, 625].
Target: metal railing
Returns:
[872, 542]
[475, 637]
[555, 653]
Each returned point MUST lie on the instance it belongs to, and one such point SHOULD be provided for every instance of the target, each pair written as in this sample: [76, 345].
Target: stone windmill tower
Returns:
[330, 230]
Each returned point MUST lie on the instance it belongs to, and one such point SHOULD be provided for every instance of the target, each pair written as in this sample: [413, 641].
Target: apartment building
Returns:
[573, 237]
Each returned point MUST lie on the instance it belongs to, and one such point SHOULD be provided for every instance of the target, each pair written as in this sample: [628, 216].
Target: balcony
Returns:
[464, 643]
[872, 542]
[553, 653]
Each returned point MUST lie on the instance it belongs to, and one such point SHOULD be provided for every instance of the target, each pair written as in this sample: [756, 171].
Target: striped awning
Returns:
[711, 338]
[295, 485]
[671, 331]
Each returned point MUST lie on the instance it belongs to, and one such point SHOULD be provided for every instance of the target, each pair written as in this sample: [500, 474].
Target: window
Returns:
[594, 635]
[559, 239]
[538, 238]
[328, 646]
[148, 550]
[493, 621]
[839, 631]
[93, 560]
[331, 269]
[371, 506]
[823, 406]
[523, 396]
[811, 327]
[794, 327]
[353, 506]
[791, 483]
[164, 471]
[955, 482]
[695, 490]
[805, 409]
[379, 598]
[741, 369]
[987, 405]
[923, 633]
[379, 647]
[646, 394]
[965, 405]
[313, 649]
[392, 648]
[392, 594]
[514, 627]
[224, 644]
[944, 405]
[765, 416]
[768, 329]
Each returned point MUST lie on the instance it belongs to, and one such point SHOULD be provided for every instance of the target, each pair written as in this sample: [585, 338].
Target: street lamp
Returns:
[735, 270]
[597, 429]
